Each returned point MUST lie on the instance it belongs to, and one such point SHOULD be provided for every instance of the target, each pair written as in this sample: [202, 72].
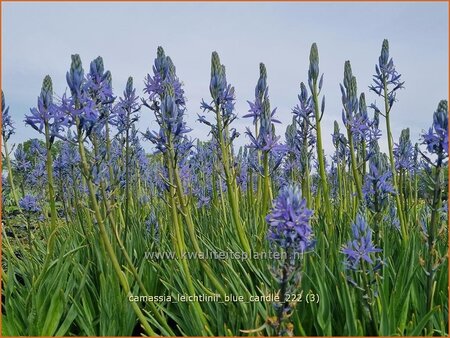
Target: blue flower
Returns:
[289, 234]
[266, 140]
[386, 76]
[29, 204]
[21, 164]
[7, 124]
[37, 148]
[289, 222]
[38, 175]
[261, 93]
[340, 143]
[163, 72]
[89, 106]
[436, 139]
[305, 109]
[47, 113]
[360, 249]
[378, 184]
[152, 226]
[170, 119]
[97, 96]
[98, 83]
[403, 152]
[75, 76]
[168, 105]
[222, 93]
[303, 118]
[127, 105]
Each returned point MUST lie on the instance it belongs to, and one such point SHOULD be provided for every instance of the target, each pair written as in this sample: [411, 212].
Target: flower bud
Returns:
[108, 78]
[313, 73]
[75, 76]
[96, 66]
[441, 116]
[347, 75]
[129, 86]
[47, 92]
[384, 57]
[3, 101]
[160, 61]
[303, 92]
[362, 105]
[217, 83]
[262, 81]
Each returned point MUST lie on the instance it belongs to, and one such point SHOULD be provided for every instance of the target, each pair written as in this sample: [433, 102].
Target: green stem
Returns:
[320, 157]
[230, 181]
[179, 239]
[392, 162]
[127, 175]
[130, 264]
[105, 239]
[190, 226]
[29, 233]
[51, 189]
[10, 174]
[354, 165]
[432, 229]
[266, 185]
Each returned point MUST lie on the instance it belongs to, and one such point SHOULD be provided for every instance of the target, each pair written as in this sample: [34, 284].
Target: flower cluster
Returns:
[163, 72]
[98, 83]
[290, 234]
[387, 79]
[403, 152]
[223, 98]
[29, 204]
[303, 118]
[21, 162]
[152, 227]
[360, 249]
[378, 185]
[265, 140]
[349, 96]
[7, 124]
[87, 107]
[288, 221]
[436, 139]
[164, 89]
[47, 117]
[340, 143]
[127, 105]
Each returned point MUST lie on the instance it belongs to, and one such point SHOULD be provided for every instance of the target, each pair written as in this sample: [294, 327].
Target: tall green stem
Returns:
[105, 239]
[392, 162]
[191, 228]
[179, 237]
[230, 181]
[266, 186]
[131, 266]
[436, 204]
[354, 165]
[10, 174]
[51, 189]
[127, 173]
[320, 157]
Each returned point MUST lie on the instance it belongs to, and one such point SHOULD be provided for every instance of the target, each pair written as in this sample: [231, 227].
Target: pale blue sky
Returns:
[38, 39]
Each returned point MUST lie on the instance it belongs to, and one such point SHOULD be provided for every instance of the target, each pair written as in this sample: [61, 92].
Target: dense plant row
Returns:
[362, 232]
